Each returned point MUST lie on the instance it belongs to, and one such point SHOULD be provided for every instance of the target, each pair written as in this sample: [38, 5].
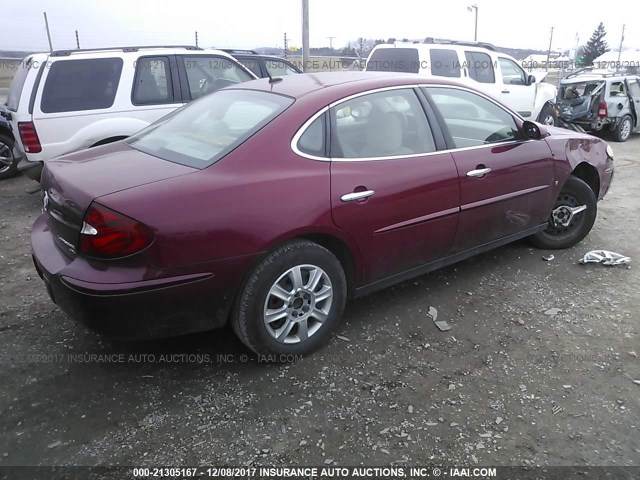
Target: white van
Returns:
[68, 100]
[479, 65]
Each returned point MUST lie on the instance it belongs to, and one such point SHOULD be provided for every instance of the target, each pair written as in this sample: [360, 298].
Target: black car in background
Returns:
[264, 66]
[8, 160]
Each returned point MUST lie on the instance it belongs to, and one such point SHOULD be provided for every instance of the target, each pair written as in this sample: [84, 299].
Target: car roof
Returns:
[595, 77]
[332, 86]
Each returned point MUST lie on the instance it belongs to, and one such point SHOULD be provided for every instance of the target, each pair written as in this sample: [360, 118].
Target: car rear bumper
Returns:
[135, 309]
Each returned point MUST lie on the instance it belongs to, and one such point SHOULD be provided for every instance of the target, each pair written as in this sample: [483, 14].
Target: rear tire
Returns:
[622, 132]
[574, 193]
[292, 300]
[6, 152]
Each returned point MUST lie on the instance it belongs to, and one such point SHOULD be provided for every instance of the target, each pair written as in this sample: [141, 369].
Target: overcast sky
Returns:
[259, 23]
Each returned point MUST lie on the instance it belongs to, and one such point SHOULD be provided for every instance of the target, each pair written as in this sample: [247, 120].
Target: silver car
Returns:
[600, 101]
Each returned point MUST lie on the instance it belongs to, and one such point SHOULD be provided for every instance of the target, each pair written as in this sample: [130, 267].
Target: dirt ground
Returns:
[507, 385]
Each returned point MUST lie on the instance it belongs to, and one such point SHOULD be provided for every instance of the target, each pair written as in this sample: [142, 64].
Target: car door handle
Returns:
[506, 91]
[349, 197]
[480, 172]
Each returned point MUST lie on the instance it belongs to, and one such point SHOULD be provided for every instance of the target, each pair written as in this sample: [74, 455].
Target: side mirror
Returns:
[532, 130]
[531, 80]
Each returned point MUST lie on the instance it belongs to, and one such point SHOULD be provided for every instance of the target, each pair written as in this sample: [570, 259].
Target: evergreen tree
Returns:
[596, 45]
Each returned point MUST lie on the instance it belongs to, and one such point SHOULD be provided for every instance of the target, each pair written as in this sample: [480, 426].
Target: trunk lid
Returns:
[70, 183]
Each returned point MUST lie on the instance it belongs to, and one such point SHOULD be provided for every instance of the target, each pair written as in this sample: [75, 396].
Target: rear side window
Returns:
[383, 124]
[75, 85]
[480, 67]
[152, 84]
[444, 62]
[394, 60]
[312, 140]
[22, 70]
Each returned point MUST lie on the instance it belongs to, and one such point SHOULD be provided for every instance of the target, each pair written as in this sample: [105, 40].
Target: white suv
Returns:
[68, 100]
[479, 65]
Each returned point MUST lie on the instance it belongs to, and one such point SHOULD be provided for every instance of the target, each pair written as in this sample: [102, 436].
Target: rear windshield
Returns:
[206, 130]
[20, 75]
[74, 85]
[394, 60]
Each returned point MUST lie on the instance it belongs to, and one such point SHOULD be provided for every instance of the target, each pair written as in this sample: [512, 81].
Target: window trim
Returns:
[174, 87]
[440, 125]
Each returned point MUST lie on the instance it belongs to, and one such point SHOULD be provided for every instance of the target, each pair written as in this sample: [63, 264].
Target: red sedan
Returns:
[268, 204]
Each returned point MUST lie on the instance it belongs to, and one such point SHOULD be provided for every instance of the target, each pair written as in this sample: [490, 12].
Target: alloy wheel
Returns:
[297, 304]
[6, 155]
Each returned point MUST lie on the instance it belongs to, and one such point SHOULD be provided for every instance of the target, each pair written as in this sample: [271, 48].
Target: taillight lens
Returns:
[602, 110]
[108, 234]
[29, 136]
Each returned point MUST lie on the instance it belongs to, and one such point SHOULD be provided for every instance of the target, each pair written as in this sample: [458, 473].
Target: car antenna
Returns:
[272, 80]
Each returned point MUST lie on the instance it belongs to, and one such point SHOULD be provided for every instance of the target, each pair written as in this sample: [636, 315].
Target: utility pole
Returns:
[305, 35]
[331, 43]
[286, 45]
[46, 24]
[549, 50]
[196, 38]
[620, 49]
[77, 40]
[475, 32]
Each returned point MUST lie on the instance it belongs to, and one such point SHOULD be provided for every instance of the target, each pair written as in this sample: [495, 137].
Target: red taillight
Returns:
[109, 234]
[29, 136]
[602, 110]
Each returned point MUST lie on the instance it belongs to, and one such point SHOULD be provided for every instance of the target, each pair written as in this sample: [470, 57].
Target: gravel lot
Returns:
[507, 385]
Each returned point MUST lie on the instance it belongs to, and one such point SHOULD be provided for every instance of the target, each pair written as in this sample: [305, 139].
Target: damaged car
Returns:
[600, 102]
[268, 204]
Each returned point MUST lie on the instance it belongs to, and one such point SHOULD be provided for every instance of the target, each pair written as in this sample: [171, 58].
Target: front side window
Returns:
[74, 85]
[512, 74]
[480, 67]
[279, 68]
[252, 64]
[383, 124]
[472, 120]
[444, 62]
[207, 74]
[202, 132]
[152, 84]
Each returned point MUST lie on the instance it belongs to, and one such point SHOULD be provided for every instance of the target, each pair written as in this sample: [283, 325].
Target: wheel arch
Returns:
[588, 174]
[7, 132]
[347, 255]
[342, 252]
